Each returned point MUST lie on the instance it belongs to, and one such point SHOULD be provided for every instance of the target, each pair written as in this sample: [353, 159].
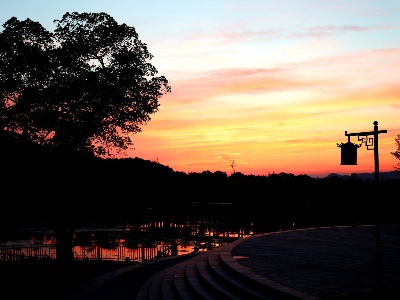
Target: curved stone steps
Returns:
[213, 283]
[180, 284]
[233, 282]
[151, 289]
[213, 274]
[195, 284]
[168, 290]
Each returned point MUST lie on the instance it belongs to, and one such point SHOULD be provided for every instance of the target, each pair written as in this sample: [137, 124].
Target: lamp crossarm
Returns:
[364, 133]
[364, 137]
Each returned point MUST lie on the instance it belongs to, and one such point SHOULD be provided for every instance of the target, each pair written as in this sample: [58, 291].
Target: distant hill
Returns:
[368, 176]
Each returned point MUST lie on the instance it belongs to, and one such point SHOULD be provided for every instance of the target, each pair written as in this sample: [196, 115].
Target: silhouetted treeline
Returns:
[40, 186]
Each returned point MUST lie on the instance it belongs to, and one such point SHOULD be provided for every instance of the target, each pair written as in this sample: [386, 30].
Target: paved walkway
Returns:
[324, 263]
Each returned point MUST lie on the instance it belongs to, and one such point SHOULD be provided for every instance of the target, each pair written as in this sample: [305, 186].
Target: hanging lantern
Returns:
[348, 153]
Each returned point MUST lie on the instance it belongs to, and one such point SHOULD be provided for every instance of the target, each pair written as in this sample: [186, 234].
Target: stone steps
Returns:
[205, 276]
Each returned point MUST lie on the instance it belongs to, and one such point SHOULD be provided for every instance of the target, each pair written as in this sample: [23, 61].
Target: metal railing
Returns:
[17, 253]
[95, 252]
[118, 252]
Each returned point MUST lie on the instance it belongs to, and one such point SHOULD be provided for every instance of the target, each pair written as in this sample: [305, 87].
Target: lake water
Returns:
[120, 242]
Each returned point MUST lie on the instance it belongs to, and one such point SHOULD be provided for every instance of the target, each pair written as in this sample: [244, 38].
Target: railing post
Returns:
[143, 254]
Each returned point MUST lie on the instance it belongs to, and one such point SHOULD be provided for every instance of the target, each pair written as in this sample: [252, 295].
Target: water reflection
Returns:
[128, 241]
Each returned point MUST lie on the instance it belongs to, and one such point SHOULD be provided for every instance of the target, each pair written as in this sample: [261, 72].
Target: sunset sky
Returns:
[260, 86]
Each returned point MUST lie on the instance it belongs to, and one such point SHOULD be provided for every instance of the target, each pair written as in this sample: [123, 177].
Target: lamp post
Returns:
[350, 158]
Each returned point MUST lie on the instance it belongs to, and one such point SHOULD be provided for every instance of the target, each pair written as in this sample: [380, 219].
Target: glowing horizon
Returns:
[271, 86]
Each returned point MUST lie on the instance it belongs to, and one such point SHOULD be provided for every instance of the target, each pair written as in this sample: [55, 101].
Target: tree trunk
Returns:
[64, 235]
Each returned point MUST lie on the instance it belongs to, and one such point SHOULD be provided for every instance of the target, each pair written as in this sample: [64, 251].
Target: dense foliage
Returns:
[43, 186]
[397, 152]
[87, 86]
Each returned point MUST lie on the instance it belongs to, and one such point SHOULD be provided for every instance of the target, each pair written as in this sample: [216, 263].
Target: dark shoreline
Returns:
[51, 279]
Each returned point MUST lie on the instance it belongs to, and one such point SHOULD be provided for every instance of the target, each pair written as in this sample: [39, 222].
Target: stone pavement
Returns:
[325, 262]
[316, 263]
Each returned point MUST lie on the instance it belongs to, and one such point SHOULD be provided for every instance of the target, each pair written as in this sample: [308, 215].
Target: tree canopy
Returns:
[397, 153]
[87, 86]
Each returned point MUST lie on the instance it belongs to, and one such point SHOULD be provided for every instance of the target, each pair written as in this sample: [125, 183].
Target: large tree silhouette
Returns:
[87, 86]
[84, 88]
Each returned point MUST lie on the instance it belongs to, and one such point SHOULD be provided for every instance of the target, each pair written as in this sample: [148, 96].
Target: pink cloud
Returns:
[238, 80]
